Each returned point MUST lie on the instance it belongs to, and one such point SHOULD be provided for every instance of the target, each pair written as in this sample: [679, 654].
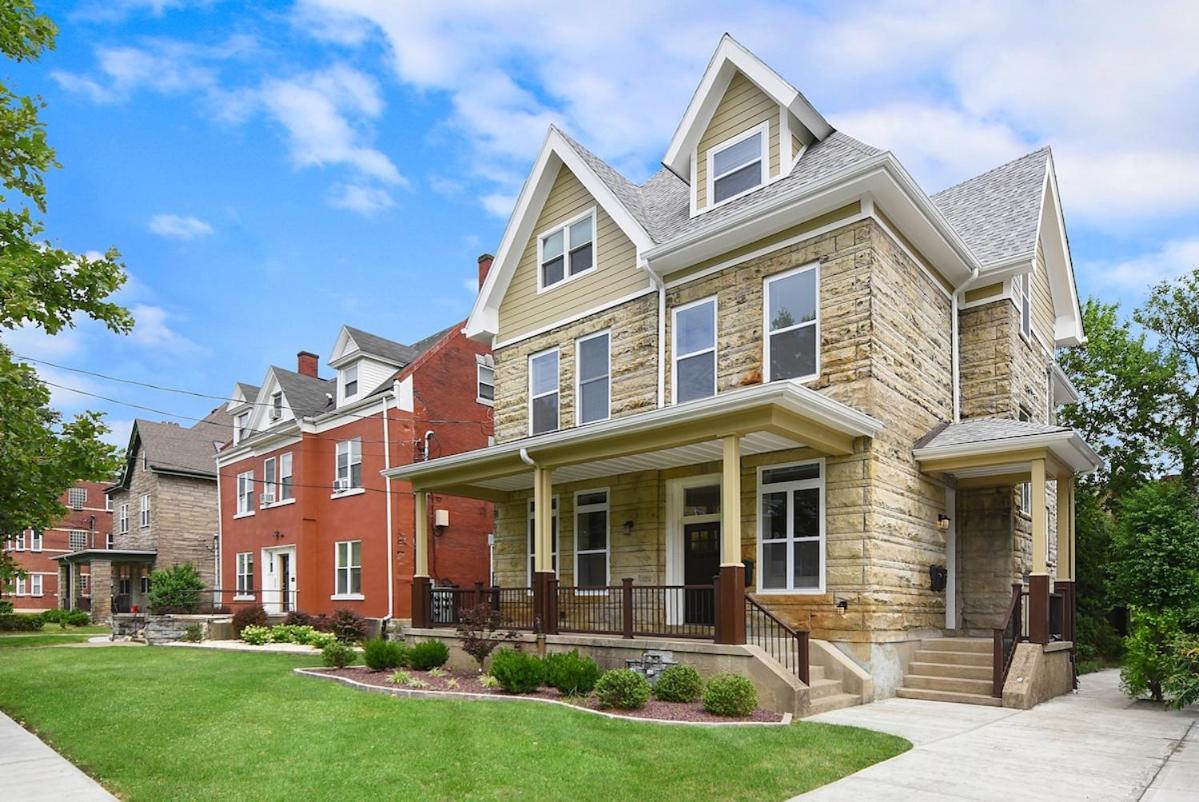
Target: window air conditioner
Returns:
[268, 497]
[341, 484]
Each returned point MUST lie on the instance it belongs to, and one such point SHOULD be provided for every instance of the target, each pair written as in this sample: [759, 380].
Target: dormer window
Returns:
[737, 166]
[350, 380]
[276, 406]
[567, 251]
[241, 427]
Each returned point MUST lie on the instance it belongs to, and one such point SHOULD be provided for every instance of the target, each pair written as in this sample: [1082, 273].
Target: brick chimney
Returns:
[484, 267]
[306, 363]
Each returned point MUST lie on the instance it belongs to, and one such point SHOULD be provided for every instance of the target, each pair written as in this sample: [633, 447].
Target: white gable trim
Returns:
[1051, 233]
[344, 346]
[555, 153]
[730, 57]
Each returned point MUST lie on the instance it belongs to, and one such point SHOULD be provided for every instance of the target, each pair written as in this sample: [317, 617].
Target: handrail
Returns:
[1004, 640]
[788, 646]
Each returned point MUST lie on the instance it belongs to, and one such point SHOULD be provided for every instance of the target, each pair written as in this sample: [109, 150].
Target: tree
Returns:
[1154, 555]
[43, 286]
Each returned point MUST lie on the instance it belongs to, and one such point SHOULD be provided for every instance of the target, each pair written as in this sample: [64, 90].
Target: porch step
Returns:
[952, 658]
[974, 645]
[952, 684]
[823, 688]
[947, 696]
[815, 673]
[834, 702]
[950, 670]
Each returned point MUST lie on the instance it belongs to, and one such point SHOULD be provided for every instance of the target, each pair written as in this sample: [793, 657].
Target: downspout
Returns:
[955, 349]
[387, 534]
[220, 540]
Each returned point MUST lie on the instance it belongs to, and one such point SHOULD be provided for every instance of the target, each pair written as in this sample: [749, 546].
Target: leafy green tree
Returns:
[1154, 555]
[41, 285]
[1094, 527]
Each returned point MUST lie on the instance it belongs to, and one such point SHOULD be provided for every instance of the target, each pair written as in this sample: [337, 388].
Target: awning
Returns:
[112, 555]
[994, 450]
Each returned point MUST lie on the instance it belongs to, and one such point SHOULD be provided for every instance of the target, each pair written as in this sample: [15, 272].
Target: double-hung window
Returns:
[1023, 414]
[35, 540]
[543, 392]
[486, 384]
[737, 166]
[245, 573]
[350, 381]
[791, 548]
[144, 510]
[269, 470]
[35, 584]
[18, 542]
[349, 568]
[591, 539]
[276, 406]
[109, 541]
[123, 519]
[533, 538]
[77, 497]
[593, 370]
[694, 350]
[241, 427]
[567, 251]
[284, 491]
[20, 586]
[77, 540]
[792, 339]
[349, 465]
[245, 493]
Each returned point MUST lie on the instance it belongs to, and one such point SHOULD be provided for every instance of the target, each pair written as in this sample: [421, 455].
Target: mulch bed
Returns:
[469, 682]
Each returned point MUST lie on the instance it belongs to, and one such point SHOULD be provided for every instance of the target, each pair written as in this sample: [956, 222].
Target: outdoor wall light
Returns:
[628, 528]
[943, 522]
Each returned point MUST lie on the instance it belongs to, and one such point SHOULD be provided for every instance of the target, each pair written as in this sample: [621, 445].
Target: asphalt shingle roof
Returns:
[984, 430]
[248, 391]
[171, 447]
[375, 345]
[306, 395]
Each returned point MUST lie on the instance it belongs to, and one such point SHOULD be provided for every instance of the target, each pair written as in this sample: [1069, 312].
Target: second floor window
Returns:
[486, 382]
[245, 493]
[123, 519]
[245, 573]
[78, 540]
[349, 568]
[109, 541]
[737, 166]
[349, 465]
[594, 377]
[107, 503]
[268, 481]
[18, 542]
[77, 497]
[284, 491]
[792, 340]
[241, 427]
[567, 251]
[144, 510]
[35, 540]
[695, 350]
[543, 392]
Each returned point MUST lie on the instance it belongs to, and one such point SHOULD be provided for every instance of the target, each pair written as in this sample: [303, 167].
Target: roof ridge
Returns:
[995, 169]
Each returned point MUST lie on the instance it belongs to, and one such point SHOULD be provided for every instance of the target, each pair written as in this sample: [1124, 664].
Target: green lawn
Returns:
[49, 636]
[164, 723]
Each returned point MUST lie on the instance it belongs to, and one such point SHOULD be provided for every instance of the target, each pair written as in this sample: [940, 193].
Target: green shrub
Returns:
[517, 672]
[338, 655]
[1147, 653]
[255, 635]
[348, 626]
[678, 684]
[1181, 684]
[18, 622]
[489, 682]
[428, 654]
[571, 674]
[383, 655]
[247, 616]
[78, 618]
[175, 590]
[320, 640]
[194, 633]
[5, 607]
[730, 695]
[295, 618]
[302, 634]
[53, 616]
[623, 689]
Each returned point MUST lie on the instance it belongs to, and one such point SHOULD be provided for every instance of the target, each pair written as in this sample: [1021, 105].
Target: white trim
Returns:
[767, 332]
[564, 228]
[243, 478]
[606, 508]
[530, 539]
[762, 130]
[578, 388]
[143, 511]
[676, 521]
[238, 573]
[347, 597]
[348, 568]
[353, 491]
[556, 391]
[350, 463]
[674, 345]
[595, 310]
[479, 383]
[239, 515]
[272, 505]
[951, 559]
[790, 487]
[1080, 457]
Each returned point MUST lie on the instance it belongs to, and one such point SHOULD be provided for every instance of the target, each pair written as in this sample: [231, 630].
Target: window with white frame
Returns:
[350, 380]
[269, 469]
[591, 539]
[245, 493]
[349, 465]
[123, 519]
[144, 581]
[276, 405]
[284, 491]
[144, 510]
[593, 371]
[349, 567]
[792, 339]
[1022, 285]
[35, 584]
[486, 384]
[77, 540]
[567, 251]
[533, 538]
[107, 503]
[543, 392]
[791, 549]
[241, 427]
[19, 590]
[737, 166]
[35, 540]
[85, 583]
[18, 542]
[694, 350]
[109, 541]
[245, 573]
[77, 497]
[1025, 500]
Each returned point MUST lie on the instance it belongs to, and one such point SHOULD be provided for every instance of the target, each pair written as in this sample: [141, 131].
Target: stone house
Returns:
[779, 409]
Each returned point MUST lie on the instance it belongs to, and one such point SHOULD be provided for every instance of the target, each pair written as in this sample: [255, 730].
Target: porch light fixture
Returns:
[628, 528]
[943, 522]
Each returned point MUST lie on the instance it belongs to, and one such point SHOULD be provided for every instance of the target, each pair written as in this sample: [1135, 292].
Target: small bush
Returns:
[517, 672]
[302, 634]
[281, 634]
[321, 623]
[54, 616]
[678, 684]
[5, 607]
[417, 683]
[248, 616]
[570, 674]
[481, 629]
[295, 618]
[1147, 653]
[383, 655]
[338, 655]
[175, 590]
[78, 618]
[623, 689]
[256, 635]
[489, 682]
[730, 695]
[348, 626]
[428, 654]
[16, 622]
[320, 640]
[194, 633]
[401, 677]
[451, 683]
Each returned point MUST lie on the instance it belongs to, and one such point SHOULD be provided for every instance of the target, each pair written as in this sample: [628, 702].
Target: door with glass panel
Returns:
[701, 551]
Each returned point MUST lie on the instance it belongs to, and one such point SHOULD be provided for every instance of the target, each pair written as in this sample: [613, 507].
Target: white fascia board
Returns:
[1069, 393]
[483, 322]
[1067, 446]
[342, 346]
[264, 443]
[1051, 231]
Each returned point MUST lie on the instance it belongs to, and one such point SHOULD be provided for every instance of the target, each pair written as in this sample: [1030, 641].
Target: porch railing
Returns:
[789, 647]
[514, 605]
[1005, 638]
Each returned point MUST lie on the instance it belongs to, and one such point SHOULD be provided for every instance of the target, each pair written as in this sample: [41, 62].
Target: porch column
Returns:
[1065, 529]
[1038, 580]
[730, 607]
[545, 588]
[420, 577]
[64, 592]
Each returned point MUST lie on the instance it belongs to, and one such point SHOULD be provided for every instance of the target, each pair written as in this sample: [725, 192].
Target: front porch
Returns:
[119, 581]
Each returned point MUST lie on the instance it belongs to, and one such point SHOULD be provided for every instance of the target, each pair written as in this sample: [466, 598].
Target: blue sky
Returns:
[272, 170]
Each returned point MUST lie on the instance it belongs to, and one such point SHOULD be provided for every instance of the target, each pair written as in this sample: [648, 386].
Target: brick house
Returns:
[780, 409]
[308, 522]
[86, 524]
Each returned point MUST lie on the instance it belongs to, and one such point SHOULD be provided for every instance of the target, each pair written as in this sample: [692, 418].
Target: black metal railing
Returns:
[1005, 638]
[789, 647]
[514, 605]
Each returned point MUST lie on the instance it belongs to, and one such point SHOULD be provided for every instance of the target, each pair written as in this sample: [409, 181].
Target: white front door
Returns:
[279, 580]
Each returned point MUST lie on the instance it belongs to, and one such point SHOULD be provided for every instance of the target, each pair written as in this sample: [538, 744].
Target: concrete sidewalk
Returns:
[30, 770]
[1096, 744]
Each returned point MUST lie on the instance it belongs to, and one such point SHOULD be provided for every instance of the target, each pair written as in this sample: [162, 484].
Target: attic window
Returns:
[241, 427]
[276, 406]
[737, 166]
[351, 380]
[567, 251]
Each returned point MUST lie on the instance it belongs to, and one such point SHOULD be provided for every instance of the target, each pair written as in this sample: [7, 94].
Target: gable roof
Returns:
[170, 448]
[306, 396]
[374, 345]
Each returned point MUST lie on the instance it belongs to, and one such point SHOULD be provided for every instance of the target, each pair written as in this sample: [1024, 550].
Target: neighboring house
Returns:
[164, 513]
[87, 524]
[307, 520]
[779, 364]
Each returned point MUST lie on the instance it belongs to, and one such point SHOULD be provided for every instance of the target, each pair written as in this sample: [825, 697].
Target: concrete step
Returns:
[952, 658]
[947, 696]
[820, 688]
[815, 673]
[954, 684]
[976, 645]
[950, 670]
[834, 702]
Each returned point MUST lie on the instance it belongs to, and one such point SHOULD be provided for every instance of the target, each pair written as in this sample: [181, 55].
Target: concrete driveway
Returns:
[1095, 744]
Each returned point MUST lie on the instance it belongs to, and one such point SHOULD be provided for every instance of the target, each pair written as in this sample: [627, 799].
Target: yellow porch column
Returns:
[730, 503]
[1065, 528]
[421, 546]
[1040, 518]
[543, 521]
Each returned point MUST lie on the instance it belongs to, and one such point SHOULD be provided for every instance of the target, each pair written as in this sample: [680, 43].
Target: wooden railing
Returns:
[1005, 638]
[789, 647]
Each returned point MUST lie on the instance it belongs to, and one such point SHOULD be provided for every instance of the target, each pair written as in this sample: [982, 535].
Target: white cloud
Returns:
[1140, 273]
[175, 226]
[361, 198]
[151, 330]
[119, 431]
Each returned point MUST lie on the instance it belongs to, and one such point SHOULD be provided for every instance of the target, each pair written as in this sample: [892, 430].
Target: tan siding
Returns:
[981, 293]
[1042, 301]
[524, 310]
[743, 107]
